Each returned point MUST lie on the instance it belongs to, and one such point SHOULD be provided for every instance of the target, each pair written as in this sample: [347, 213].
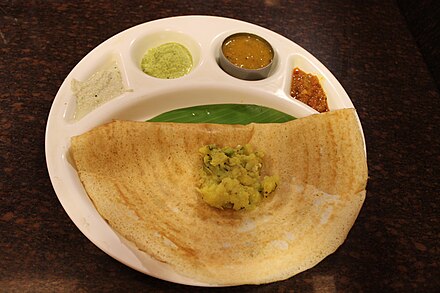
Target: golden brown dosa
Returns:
[142, 178]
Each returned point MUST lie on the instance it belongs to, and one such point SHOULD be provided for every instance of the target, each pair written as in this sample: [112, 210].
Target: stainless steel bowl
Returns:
[241, 72]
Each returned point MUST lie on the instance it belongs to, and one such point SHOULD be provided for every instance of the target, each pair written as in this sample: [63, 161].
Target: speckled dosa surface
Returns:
[394, 244]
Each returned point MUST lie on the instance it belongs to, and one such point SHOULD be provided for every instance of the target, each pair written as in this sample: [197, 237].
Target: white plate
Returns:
[207, 83]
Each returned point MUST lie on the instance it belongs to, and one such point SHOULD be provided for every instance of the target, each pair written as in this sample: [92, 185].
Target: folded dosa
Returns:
[142, 178]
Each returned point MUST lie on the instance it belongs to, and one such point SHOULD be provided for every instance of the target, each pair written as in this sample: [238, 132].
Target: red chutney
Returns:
[306, 88]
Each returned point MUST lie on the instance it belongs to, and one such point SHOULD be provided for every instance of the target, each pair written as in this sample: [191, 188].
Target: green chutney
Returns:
[167, 61]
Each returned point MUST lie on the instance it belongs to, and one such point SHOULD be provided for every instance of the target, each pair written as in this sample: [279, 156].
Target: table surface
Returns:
[394, 244]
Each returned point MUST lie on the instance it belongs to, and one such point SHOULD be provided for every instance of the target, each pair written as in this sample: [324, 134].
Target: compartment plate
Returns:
[207, 83]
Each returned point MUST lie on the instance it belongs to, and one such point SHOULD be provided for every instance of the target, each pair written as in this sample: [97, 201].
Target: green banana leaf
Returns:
[224, 114]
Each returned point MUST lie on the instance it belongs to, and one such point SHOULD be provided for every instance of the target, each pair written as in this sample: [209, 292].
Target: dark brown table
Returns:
[394, 244]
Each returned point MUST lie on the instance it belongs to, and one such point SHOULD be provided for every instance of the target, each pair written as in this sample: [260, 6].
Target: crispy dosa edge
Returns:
[136, 200]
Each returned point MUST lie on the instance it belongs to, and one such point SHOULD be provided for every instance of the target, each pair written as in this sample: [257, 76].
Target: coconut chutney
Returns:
[101, 87]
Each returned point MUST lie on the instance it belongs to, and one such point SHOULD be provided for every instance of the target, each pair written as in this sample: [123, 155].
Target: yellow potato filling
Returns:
[230, 177]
